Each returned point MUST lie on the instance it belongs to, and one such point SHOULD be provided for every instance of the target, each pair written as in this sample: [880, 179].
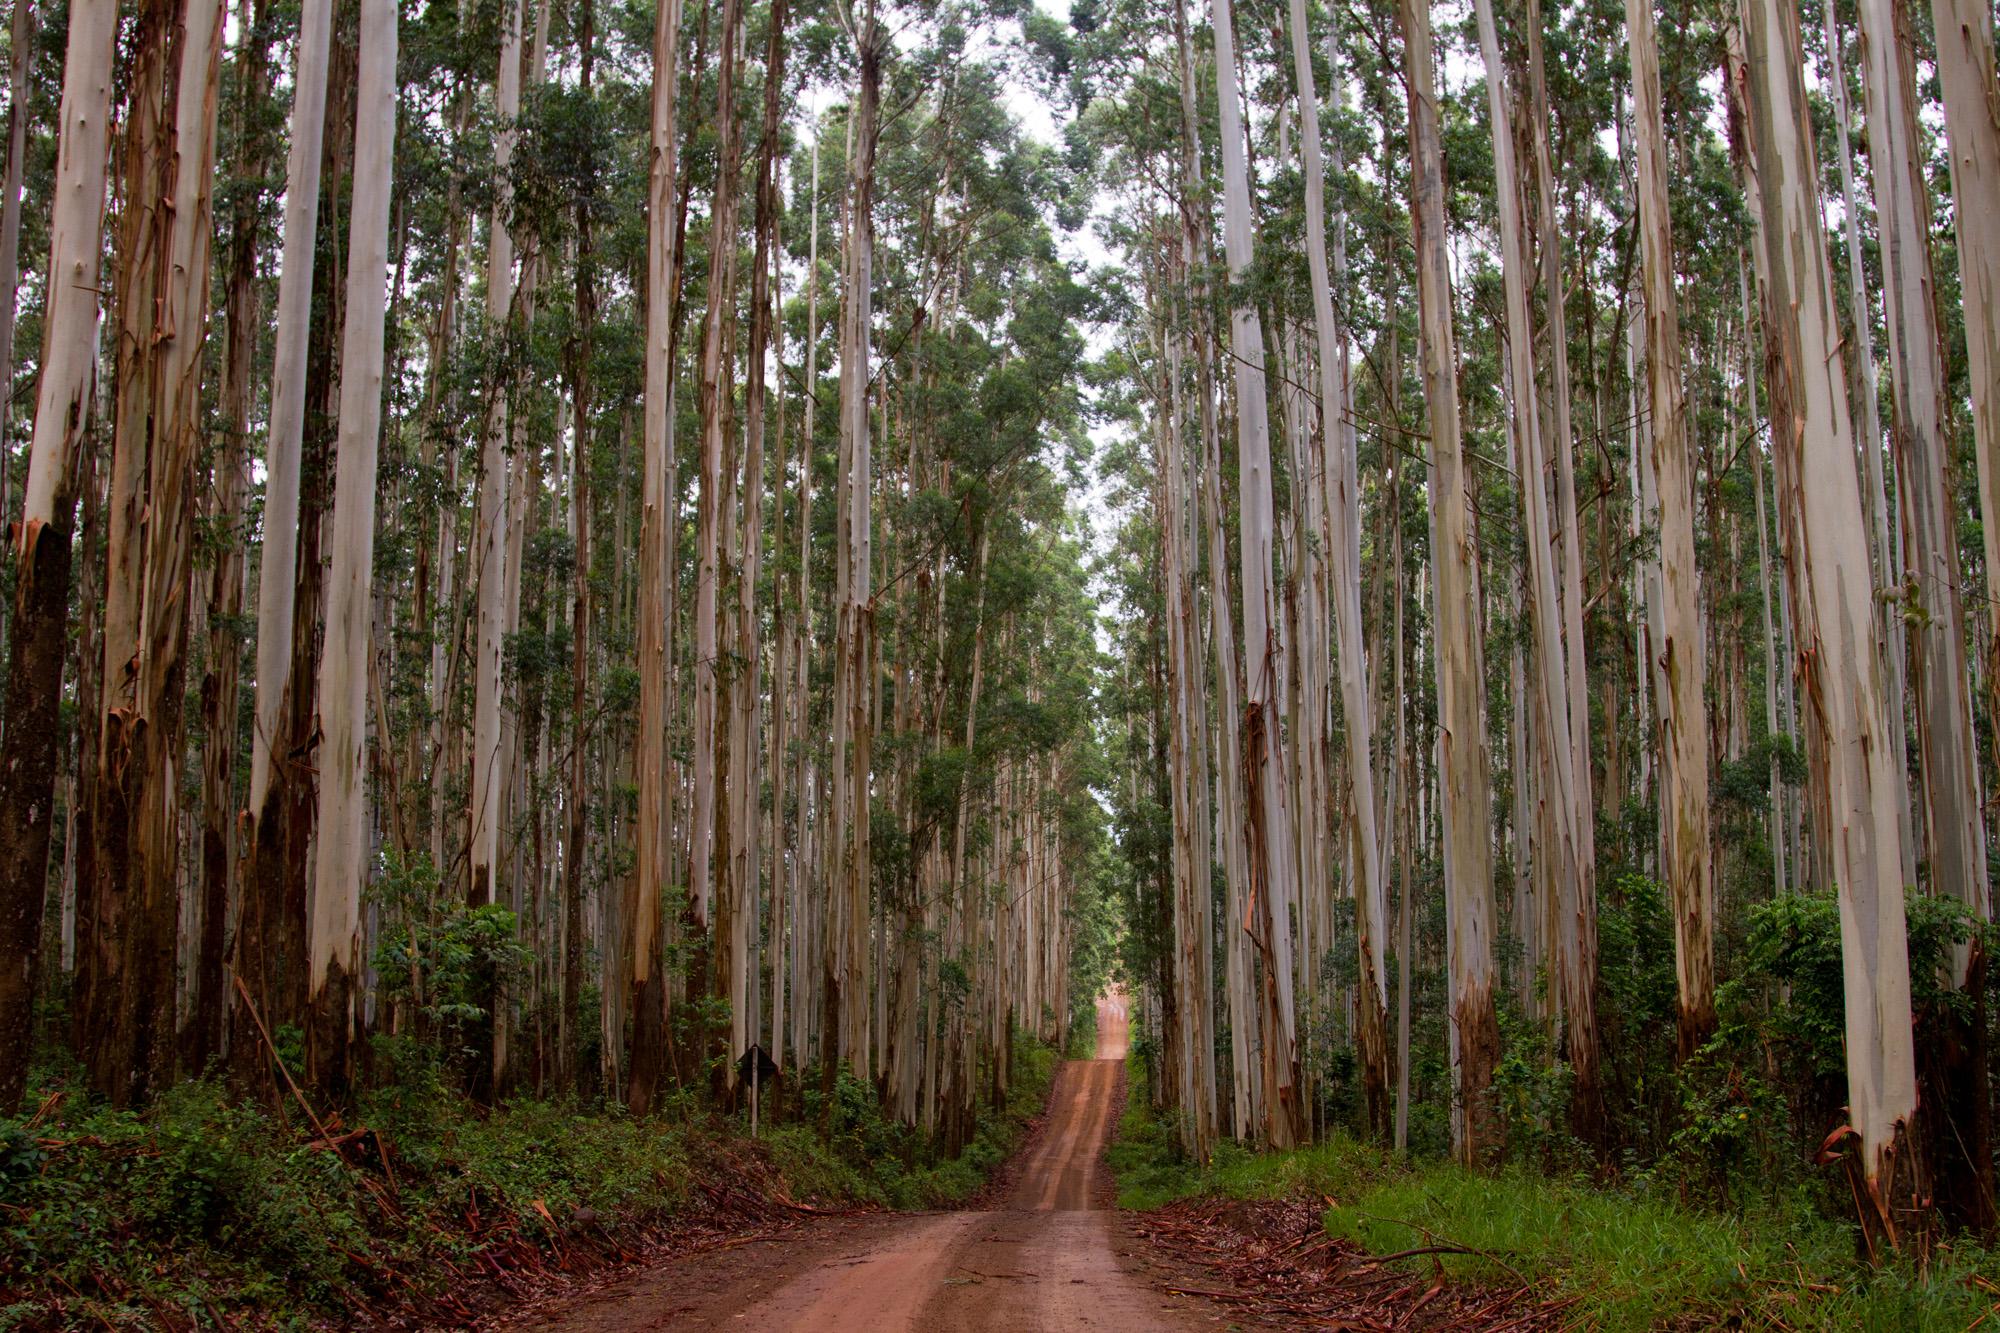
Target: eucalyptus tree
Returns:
[126, 983]
[1827, 566]
[65, 388]
[1683, 717]
[341, 869]
[1463, 773]
[658, 517]
[265, 917]
[491, 540]
[1336, 483]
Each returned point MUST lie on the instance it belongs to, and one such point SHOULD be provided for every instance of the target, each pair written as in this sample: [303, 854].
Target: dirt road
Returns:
[1047, 1258]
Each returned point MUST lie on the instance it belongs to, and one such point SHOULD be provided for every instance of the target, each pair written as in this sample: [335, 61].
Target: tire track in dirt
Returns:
[1048, 1258]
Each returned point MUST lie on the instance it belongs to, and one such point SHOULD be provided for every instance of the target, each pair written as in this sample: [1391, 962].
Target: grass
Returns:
[1631, 1258]
[202, 1212]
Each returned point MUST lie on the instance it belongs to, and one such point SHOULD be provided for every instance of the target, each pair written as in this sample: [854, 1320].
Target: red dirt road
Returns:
[1047, 1258]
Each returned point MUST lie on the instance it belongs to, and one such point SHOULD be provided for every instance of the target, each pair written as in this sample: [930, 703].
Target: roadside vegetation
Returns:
[1635, 1253]
[207, 1211]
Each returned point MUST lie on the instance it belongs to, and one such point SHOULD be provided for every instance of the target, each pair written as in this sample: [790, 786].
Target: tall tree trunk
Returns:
[744, 1030]
[64, 393]
[1578, 934]
[1828, 566]
[1954, 832]
[806, 920]
[1465, 783]
[156, 442]
[261, 924]
[1683, 719]
[1885, 537]
[1971, 86]
[710, 737]
[658, 518]
[569, 1036]
[341, 869]
[854, 637]
[1273, 877]
[490, 547]
[1230, 826]
[1344, 510]
[1555, 840]
[202, 1036]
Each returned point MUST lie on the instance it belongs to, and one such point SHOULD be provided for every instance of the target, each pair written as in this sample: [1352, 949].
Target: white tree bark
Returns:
[854, 676]
[1966, 73]
[1465, 784]
[491, 544]
[1886, 539]
[1273, 878]
[1683, 717]
[1246, 1103]
[334, 924]
[66, 385]
[658, 517]
[1953, 831]
[1343, 540]
[278, 561]
[1840, 671]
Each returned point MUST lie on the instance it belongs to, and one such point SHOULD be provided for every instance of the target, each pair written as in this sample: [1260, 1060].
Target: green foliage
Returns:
[1795, 942]
[872, 1157]
[1532, 1089]
[1153, 1169]
[441, 959]
[1632, 1261]
[204, 1208]
[1631, 1257]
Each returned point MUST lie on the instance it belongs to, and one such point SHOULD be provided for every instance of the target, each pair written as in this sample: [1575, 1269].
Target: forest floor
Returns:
[1048, 1251]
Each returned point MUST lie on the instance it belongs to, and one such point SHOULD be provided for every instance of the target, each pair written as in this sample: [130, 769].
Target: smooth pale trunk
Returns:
[1955, 835]
[1578, 936]
[491, 543]
[1343, 510]
[1971, 87]
[278, 557]
[1229, 828]
[854, 677]
[711, 746]
[1840, 671]
[1273, 877]
[1683, 716]
[334, 923]
[1187, 760]
[805, 921]
[1554, 848]
[1562, 446]
[657, 517]
[1886, 539]
[767, 300]
[1776, 834]
[1465, 787]
[1952, 828]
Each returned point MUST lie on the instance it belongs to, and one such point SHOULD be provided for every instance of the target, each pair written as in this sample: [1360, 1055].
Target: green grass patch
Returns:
[1631, 1258]
[1635, 1262]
